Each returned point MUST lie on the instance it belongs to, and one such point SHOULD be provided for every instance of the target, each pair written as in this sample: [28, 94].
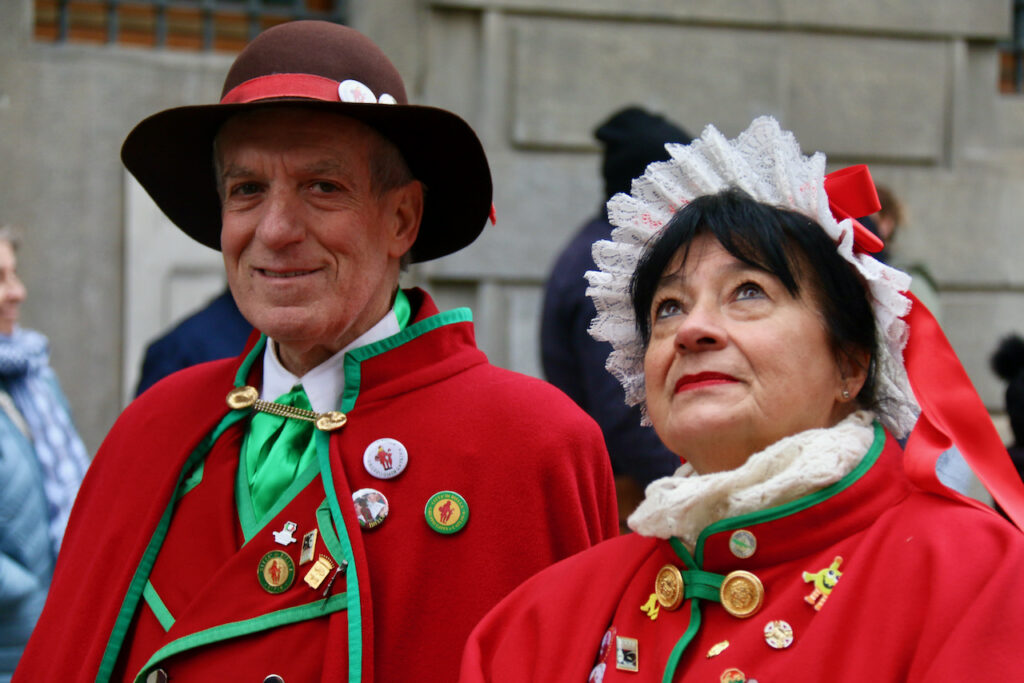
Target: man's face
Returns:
[311, 250]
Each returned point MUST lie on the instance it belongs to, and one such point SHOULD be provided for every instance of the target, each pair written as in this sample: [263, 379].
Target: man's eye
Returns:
[324, 186]
[245, 189]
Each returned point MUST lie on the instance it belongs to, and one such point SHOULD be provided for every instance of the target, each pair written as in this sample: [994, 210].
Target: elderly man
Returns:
[346, 499]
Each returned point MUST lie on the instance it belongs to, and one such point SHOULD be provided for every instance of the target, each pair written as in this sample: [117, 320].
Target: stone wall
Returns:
[907, 86]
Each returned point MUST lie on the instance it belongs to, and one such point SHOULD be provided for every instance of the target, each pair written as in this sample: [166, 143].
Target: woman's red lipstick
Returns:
[701, 380]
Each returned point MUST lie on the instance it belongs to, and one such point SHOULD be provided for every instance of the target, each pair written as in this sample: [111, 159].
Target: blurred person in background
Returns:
[574, 361]
[217, 330]
[1008, 362]
[42, 462]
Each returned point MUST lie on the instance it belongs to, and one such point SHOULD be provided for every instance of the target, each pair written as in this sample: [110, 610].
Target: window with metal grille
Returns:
[183, 24]
[1011, 55]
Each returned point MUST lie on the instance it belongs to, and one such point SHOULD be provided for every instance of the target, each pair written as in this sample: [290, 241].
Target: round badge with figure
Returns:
[371, 507]
[447, 512]
[276, 571]
[385, 458]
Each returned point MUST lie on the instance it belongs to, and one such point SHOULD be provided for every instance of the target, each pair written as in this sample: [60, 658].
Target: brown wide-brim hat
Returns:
[326, 67]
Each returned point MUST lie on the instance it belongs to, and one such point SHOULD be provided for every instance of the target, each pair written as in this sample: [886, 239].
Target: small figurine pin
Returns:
[824, 581]
[651, 607]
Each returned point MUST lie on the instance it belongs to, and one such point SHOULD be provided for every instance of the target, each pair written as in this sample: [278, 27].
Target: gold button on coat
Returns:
[742, 594]
[668, 586]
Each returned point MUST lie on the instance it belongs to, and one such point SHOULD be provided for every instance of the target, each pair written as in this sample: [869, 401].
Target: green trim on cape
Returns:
[235, 629]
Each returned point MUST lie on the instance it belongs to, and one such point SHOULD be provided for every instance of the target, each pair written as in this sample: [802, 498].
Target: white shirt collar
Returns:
[325, 383]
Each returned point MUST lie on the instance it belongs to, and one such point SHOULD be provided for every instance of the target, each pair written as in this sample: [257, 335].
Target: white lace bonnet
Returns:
[766, 163]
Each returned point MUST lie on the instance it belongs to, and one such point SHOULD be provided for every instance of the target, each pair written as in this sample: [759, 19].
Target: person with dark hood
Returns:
[1008, 362]
[573, 361]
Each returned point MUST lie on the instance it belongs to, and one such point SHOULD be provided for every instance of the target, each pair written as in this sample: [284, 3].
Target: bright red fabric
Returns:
[925, 595]
[531, 466]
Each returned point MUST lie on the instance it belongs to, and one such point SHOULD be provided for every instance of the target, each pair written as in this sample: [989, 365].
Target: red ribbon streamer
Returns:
[952, 414]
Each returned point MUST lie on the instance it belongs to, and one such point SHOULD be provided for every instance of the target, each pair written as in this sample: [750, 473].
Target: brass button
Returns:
[742, 594]
[242, 397]
[668, 586]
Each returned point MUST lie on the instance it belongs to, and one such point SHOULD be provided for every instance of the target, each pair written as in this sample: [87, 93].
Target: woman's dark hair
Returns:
[787, 244]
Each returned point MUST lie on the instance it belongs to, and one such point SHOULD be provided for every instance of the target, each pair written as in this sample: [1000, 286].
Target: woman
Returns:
[42, 461]
[797, 542]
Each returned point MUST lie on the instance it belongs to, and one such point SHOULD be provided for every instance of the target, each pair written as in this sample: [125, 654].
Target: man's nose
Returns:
[281, 222]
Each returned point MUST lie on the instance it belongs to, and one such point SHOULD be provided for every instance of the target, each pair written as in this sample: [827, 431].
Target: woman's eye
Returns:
[667, 309]
[749, 290]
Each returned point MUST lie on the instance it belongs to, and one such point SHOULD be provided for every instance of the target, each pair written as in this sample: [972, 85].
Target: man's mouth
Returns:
[282, 273]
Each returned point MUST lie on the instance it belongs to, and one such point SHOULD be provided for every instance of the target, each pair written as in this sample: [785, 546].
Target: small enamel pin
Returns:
[284, 536]
[824, 581]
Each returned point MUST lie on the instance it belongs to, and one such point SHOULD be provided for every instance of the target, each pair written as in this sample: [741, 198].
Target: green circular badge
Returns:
[276, 572]
[447, 512]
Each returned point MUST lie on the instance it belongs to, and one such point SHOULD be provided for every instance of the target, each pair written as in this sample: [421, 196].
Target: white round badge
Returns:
[385, 458]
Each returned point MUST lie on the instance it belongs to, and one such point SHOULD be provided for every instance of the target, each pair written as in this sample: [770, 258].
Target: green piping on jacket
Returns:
[235, 629]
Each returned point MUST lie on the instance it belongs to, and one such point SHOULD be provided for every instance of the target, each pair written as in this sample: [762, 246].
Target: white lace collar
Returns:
[685, 503]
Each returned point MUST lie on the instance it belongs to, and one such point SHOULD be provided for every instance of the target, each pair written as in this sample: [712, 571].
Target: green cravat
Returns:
[276, 450]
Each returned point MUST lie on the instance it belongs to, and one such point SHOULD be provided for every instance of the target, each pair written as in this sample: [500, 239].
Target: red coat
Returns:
[928, 590]
[530, 465]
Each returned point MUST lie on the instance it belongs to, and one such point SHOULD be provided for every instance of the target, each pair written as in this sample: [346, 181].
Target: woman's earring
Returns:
[846, 394]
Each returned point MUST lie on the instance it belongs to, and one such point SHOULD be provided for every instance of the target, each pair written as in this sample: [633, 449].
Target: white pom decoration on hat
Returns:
[766, 163]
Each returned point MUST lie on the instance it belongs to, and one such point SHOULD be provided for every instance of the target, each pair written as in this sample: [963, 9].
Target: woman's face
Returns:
[735, 363]
[12, 291]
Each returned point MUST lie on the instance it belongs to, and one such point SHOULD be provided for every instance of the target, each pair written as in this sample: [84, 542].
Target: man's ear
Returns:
[405, 211]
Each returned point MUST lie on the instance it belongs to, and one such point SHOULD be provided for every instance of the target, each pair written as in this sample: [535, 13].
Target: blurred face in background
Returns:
[12, 291]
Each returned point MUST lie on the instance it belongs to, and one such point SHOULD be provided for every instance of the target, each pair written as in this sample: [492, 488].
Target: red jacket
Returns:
[927, 590]
[530, 465]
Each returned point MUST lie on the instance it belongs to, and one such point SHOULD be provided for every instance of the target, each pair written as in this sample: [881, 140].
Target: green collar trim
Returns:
[354, 358]
[243, 498]
[402, 308]
[138, 583]
[243, 370]
[160, 611]
[798, 505]
[235, 629]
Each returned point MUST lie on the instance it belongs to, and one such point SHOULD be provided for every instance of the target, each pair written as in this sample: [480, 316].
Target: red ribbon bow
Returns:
[851, 194]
